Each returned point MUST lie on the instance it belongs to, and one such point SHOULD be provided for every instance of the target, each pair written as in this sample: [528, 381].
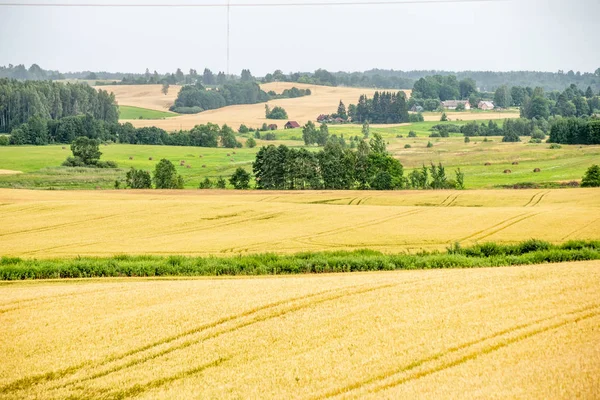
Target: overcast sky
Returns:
[545, 35]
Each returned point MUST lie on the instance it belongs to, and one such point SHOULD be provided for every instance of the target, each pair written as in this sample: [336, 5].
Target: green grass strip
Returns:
[477, 256]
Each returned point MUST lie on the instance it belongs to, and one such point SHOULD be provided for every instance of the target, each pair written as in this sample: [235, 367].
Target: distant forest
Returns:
[487, 81]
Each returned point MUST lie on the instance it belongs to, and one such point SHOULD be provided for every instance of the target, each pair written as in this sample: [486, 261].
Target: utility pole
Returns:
[228, 34]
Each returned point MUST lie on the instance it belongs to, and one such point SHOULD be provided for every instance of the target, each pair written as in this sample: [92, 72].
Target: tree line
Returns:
[39, 131]
[19, 101]
[339, 168]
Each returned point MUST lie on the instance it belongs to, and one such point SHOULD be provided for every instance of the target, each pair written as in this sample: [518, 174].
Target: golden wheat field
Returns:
[515, 332]
[47, 224]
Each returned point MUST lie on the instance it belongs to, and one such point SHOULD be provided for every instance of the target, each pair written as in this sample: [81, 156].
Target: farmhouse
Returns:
[322, 118]
[485, 105]
[292, 125]
[272, 127]
[452, 104]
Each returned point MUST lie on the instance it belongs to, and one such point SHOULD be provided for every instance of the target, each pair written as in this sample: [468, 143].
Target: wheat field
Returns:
[514, 332]
[51, 224]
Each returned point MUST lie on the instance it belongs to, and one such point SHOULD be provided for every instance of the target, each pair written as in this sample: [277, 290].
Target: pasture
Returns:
[323, 100]
[40, 164]
[56, 224]
[529, 331]
[129, 112]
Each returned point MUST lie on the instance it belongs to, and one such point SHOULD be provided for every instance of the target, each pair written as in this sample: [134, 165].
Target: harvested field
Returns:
[143, 96]
[224, 223]
[516, 332]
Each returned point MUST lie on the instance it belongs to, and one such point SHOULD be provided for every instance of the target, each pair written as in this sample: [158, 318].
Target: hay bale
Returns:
[150, 158]
[188, 166]
[228, 155]
[507, 171]
[487, 164]
[204, 166]
[131, 158]
[200, 156]
[64, 148]
[537, 170]
[234, 152]
[515, 163]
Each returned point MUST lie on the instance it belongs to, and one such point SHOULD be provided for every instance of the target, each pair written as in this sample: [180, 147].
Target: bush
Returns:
[73, 162]
[412, 134]
[444, 117]
[205, 184]
[106, 164]
[429, 144]
[511, 137]
[138, 179]
[275, 113]
[243, 129]
[240, 179]
[467, 139]
[186, 110]
[221, 184]
[418, 117]
[4, 140]
[435, 135]
[407, 146]
[555, 146]
[591, 177]
[269, 136]
[251, 143]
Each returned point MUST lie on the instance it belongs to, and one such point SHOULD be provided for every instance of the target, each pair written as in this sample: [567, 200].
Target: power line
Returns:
[249, 5]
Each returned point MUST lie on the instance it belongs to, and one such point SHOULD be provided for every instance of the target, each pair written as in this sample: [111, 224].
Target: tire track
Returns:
[532, 199]
[63, 225]
[540, 199]
[582, 228]
[240, 325]
[508, 220]
[254, 314]
[487, 350]
[589, 311]
[451, 203]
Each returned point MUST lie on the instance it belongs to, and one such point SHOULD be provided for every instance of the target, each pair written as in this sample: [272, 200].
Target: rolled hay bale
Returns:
[188, 166]
[537, 170]
[204, 166]
[64, 148]
[507, 171]
[150, 158]
[131, 158]
[228, 155]
[515, 163]
[487, 164]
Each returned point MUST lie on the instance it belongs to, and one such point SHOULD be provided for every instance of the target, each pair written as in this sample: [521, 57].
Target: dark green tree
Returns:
[341, 111]
[87, 150]
[166, 177]
[309, 133]
[591, 177]
[138, 179]
[240, 179]
[322, 135]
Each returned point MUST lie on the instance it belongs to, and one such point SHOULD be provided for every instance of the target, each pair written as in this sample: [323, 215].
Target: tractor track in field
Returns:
[484, 233]
[421, 368]
[247, 318]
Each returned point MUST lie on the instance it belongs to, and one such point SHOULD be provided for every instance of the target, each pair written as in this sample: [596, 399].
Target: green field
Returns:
[41, 164]
[129, 112]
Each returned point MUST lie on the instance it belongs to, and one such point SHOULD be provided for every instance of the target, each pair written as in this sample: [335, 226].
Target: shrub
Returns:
[221, 184]
[444, 117]
[106, 164]
[435, 135]
[429, 144]
[240, 179]
[269, 136]
[407, 146]
[138, 179]
[251, 142]
[186, 110]
[555, 146]
[4, 140]
[467, 139]
[412, 134]
[275, 113]
[205, 184]
[591, 177]
[243, 129]
[510, 137]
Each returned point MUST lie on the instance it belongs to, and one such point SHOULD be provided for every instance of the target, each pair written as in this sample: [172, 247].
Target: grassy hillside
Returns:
[41, 164]
[129, 112]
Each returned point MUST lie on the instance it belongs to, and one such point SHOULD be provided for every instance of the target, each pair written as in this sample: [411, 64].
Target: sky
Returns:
[540, 35]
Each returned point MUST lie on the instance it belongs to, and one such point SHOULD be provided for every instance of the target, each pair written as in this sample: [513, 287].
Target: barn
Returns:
[272, 127]
[452, 104]
[292, 125]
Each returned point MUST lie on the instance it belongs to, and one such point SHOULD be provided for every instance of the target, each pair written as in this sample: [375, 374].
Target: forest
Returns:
[19, 101]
